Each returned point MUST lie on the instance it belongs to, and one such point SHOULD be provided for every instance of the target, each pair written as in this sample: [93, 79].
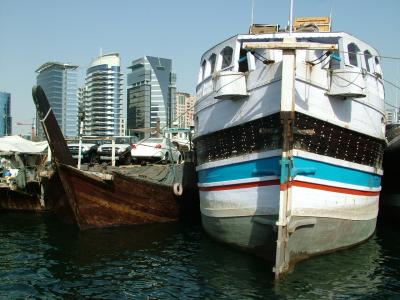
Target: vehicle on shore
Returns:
[122, 146]
[155, 149]
[88, 150]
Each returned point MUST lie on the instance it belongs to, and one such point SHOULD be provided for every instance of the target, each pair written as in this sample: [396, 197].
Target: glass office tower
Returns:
[151, 93]
[5, 114]
[59, 82]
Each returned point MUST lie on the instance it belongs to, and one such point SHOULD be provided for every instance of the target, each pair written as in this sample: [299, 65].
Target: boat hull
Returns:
[334, 204]
[390, 197]
[258, 236]
[16, 200]
[121, 201]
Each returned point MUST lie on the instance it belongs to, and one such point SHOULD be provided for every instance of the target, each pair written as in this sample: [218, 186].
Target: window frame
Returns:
[223, 55]
[353, 54]
[367, 60]
[213, 64]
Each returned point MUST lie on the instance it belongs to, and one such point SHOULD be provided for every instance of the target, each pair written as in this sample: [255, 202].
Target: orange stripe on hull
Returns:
[328, 188]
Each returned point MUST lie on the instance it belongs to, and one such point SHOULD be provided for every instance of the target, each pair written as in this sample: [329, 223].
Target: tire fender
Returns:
[178, 189]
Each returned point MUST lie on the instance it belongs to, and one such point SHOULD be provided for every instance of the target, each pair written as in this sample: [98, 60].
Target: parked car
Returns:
[155, 150]
[88, 150]
[123, 146]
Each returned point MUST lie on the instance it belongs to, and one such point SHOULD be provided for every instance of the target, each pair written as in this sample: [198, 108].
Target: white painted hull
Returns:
[326, 165]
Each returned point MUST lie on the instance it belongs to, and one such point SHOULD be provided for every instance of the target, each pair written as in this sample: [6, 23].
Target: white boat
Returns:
[289, 139]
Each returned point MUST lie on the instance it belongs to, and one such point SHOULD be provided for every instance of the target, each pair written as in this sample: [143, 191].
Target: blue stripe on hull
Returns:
[244, 170]
[301, 166]
[336, 173]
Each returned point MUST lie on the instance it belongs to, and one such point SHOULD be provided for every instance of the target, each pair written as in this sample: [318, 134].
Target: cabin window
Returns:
[243, 64]
[226, 54]
[203, 69]
[367, 57]
[212, 61]
[378, 69]
[353, 50]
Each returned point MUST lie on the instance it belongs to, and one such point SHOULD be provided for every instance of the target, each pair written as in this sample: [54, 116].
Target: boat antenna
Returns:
[291, 18]
[330, 16]
[252, 12]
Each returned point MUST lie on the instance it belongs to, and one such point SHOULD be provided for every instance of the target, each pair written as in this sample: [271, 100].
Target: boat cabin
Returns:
[230, 62]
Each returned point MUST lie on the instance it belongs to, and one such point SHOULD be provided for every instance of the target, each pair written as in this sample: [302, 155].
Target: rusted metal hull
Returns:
[121, 201]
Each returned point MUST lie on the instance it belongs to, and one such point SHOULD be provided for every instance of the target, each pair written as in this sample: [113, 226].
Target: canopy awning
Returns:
[15, 143]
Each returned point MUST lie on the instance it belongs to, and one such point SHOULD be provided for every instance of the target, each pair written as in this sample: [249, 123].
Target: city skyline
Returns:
[102, 81]
[33, 33]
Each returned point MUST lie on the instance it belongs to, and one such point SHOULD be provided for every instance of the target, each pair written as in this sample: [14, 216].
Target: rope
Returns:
[45, 117]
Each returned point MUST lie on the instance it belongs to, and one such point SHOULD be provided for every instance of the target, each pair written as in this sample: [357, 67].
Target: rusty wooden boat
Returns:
[120, 196]
[19, 200]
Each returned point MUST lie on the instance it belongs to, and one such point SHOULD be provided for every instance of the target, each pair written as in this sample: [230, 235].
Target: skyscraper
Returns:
[59, 82]
[392, 115]
[150, 93]
[103, 96]
[184, 109]
[5, 114]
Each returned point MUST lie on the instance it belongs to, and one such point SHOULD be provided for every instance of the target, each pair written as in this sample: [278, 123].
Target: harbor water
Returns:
[42, 258]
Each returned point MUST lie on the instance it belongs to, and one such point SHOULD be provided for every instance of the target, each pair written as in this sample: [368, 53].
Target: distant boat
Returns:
[125, 196]
[21, 163]
[289, 139]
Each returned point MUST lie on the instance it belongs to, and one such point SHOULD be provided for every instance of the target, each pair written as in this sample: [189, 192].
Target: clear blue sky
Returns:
[34, 32]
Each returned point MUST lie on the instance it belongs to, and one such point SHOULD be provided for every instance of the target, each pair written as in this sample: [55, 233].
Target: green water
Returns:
[43, 259]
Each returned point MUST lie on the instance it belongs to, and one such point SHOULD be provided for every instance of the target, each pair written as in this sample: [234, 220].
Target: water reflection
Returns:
[40, 257]
[351, 273]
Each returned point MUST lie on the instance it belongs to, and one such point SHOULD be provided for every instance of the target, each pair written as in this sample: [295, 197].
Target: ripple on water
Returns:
[42, 258]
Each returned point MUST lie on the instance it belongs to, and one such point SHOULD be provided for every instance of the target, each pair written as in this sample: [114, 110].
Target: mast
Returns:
[291, 18]
[252, 13]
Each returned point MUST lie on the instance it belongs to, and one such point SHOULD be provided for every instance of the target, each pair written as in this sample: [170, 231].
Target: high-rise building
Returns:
[184, 110]
[103, 96]
[150, 93]
[122, 127]
[59, 82]
[392, 116]
[5, 114]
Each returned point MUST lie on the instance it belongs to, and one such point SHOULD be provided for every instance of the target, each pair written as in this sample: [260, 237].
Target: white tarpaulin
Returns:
[18, 144]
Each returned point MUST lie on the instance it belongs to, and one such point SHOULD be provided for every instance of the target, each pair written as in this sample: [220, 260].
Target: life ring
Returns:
[178, 189]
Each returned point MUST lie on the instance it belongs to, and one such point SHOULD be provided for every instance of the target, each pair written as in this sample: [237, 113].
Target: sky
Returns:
[74, 31]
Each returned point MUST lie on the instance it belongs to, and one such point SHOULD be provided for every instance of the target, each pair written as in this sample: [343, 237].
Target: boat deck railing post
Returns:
[113, 152]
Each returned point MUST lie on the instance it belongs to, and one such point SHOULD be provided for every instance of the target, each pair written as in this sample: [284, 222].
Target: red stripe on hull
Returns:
[329, 188]
[285, 186]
